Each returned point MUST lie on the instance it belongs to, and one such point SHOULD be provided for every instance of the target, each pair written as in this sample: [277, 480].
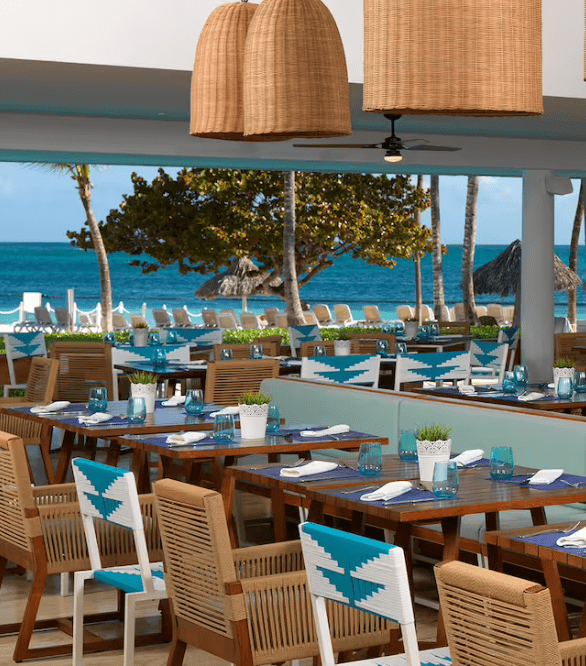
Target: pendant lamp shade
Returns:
[295, 75]
[218, 73]
[453, 57]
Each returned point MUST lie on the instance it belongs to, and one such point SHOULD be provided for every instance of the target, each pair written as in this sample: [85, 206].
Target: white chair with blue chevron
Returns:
[109, 494]
[511, 337]
[442, 366]
[196, 335]
[367, 575]
[299, 334]
[358, 369]
[22, 345]
[488, 361]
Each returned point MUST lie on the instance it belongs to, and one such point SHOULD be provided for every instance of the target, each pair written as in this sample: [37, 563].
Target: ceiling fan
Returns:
[392, 144]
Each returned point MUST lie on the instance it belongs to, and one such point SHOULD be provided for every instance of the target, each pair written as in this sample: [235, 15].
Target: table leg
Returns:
[538, 516]
[64, 457]
[228, 488]
[279, 517]
[141, 470]
[560, 612]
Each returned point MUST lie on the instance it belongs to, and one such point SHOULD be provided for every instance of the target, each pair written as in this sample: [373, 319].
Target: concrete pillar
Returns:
[537, 283]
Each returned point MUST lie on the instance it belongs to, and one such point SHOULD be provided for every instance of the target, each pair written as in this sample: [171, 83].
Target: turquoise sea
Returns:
[52, 268]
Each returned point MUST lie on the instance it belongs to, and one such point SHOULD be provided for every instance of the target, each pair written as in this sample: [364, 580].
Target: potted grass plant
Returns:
[144, 385]
[253, 410]
[563, 367]
[140, 334]
[433, 445]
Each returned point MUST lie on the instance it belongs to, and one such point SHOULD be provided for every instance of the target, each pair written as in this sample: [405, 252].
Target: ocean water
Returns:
[52, 268]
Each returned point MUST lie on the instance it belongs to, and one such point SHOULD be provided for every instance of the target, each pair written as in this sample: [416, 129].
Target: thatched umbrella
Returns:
[502, 275]
[242, 279]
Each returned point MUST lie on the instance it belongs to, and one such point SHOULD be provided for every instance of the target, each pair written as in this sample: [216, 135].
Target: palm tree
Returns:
[573, 261]
[294, 310]
[80, 173]
[417, 261]
[439, 298]
[469, 249]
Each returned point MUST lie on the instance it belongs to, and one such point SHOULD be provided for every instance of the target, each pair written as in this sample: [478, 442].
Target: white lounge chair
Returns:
[250, 321]
[228, 320]
[404, 312]
[210, 318]
[372, 316]
[323, 314]
[162, 319]
[138, 320]
[343, 315]
[119, 322]
[181, 318]
[271, 316]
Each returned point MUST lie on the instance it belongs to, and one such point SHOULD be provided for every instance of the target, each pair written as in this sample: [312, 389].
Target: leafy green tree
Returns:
[203, 218]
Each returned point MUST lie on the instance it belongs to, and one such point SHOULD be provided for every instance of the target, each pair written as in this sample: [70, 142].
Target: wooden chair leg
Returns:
[21, 649]
[176, 653]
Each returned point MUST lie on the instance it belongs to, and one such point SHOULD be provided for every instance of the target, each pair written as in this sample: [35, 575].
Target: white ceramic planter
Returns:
[428, 453]
[146, 391]
[342, 347]
[141, 336]
[411, 328]
[253, 421]
[562, 372]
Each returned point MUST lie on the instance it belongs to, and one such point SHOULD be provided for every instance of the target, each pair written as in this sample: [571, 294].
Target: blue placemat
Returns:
[162, 442]
[332, 475]
[549, 539]
[116, 420]
[414, 496]
[293, 433]
[555, 485]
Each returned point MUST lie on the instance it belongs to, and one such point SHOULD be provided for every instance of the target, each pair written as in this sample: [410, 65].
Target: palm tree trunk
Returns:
[291, 286]
[573, 262]
[439, 298]
[469, 250]
[417, 261]
[85, 192]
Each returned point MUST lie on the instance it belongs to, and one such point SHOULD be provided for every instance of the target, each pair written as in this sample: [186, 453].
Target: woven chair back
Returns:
[492, 355]
[42, 378]
[242, 351]
[308, 348]
[365, 343]
[226, 381]
[493, 618]
[354, 369]
[299, 334]
[81, 363]
[443, 366]
[277, 339]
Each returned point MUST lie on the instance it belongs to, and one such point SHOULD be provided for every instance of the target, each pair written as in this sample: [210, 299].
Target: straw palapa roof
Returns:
[502, 274]
[242, 279]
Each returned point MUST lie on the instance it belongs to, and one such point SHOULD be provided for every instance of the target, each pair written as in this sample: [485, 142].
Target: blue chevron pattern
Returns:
[178, 352]
[432, 367]
[299, 334]
[22, 345]
[486, 354]
[195, 335]
[352, 369]
[510, 335]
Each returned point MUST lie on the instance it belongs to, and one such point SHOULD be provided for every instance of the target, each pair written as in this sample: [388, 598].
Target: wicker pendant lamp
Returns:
[218, 73]
[453, 57]
[295, 75]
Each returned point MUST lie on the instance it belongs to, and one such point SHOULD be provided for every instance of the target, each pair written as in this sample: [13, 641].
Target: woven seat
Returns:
[226, 381]
[492, 618]
[247, 606]
[41, 530]
[109, 495]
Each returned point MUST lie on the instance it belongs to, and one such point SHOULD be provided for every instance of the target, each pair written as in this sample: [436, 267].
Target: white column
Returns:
[537, 282]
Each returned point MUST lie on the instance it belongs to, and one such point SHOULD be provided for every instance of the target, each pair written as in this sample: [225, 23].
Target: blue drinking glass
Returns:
[521, 376]
[319, 351]
[273, 419]
[159, 357]
[223, 428]
[370, 459]
[98, 401]
[434, 330]
[400, 348]
[194, 402]
[387, 328]
[423, 333]
[382, 347]
[502, 464]
[256, 352]
[408, 446]
[154, 338]
[509, 382]
[171, 338]
[400, 329]
[110, 338]
[136, 410]
[226, 355]
[565, 388]
[580, 382]
[446, 479]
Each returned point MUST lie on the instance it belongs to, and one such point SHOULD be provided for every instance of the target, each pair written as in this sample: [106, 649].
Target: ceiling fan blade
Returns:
[432, 148]
[413, 142]
[337, 145]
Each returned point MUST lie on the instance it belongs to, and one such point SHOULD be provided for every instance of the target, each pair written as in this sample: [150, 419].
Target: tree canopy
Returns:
[204, 217]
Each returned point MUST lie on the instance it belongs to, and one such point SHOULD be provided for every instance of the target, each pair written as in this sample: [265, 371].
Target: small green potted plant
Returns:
[343, 343]
[563, 367]
[140, 333]
[144, 385]
[254, 410]
[433, 445]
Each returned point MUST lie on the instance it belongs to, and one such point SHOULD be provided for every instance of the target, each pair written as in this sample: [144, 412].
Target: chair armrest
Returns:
[57, 493]
[572, 652]
[268, 559]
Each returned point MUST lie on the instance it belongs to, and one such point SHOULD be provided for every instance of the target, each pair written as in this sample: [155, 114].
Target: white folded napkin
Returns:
[53, 407]
[551, 385]
[174, 400]
[186, 437]
[467, 457]
[315, 467]
[575, 540]
[333, 430]
[388, 491]
[531, 396]
[545, 476]
[226, 410]
[466, 388]
[98, 417]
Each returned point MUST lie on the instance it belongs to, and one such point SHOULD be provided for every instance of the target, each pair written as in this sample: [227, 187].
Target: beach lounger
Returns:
[271, 316]
[227, 319]
[372, 316]
[138, 320]
[250, 321]
[119, 322]
[162, 319]
[323, 314]
[343, 315]
[181, 318]
[404, 312]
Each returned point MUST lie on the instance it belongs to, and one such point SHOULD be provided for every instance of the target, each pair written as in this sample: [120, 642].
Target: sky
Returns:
[36, 205]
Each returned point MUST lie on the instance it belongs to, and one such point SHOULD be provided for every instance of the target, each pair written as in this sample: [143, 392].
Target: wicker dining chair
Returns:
[248, 606]
[365, 343]
[242, 351]
[307, 349]
[81, 363]
[41, 530]
[226, 381]
[492, 618]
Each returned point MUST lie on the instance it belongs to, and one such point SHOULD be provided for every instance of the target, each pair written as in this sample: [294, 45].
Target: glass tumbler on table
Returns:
[154, 338]
[408, 446]
[502, 465]
[580, 382]
[370, 459]
[256, 351]
[446, 479]
[226, 355]
[521, 375]
[99, 399]
[565, 388]
[171, 337]
[194, 402]
[400, 348]
[509, 382]
[223, 428]
[273, 419]
[382, 347]
[318, 351]
[434, 330]
[136, 410]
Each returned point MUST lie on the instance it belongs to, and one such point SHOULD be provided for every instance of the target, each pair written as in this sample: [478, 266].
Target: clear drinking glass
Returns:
[273, 419]
[509, 382]
[400, 348]
[423, 333]
[110, 338]
[370, 459]
[388, 328]
[159, 356]
[256, 351]
[171, 337]
[318, 351]
[226, 355]
[400, 328]
[502, 464]
[224, 427]
[434, 330]
[580, 382]
[194, 401]
[446, 479]
[521, 376]
[382, 347]
[98, 399]
[565, 388]
[408, 446]
[136, 410]
[154, 338]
